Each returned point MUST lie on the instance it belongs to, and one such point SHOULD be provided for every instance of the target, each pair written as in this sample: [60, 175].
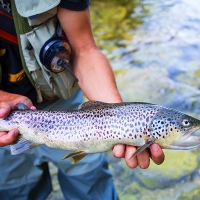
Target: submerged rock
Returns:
[156, 181]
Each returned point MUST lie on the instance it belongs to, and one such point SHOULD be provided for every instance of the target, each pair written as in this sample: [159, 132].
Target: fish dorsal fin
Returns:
[91, 104]
[21, 106]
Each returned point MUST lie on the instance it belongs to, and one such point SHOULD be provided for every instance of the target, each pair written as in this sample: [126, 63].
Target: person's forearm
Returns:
[95, 76]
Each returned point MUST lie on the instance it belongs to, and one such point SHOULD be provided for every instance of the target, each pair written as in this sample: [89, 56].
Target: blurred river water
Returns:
[154, 49]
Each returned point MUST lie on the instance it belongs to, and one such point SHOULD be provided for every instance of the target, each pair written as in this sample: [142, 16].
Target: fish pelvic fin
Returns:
[75, 157]
[21, 146]
[142, 148]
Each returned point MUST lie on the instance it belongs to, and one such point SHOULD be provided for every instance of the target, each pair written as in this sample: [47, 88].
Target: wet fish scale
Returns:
[97, 126]
[104, 124]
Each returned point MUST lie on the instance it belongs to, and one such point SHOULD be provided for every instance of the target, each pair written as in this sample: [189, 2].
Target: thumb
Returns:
[5, 109]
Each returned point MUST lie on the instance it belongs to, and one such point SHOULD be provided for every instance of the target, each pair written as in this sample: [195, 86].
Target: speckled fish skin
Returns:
[97, 126]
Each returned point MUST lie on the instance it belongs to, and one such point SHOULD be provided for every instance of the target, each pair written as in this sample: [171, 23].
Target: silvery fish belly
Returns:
[97, 127]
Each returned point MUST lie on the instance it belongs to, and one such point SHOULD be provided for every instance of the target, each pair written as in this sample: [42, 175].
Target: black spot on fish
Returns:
[135, 123]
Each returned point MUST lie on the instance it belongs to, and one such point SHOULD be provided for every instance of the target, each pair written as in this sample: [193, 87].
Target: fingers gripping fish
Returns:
[97, 127]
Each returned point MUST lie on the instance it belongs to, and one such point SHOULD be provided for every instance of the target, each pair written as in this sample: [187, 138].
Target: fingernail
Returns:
[154, 147]
[16, 132]
[2, 109]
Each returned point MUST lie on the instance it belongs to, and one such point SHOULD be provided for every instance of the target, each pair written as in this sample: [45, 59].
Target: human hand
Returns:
[141, 160]
[7, 138]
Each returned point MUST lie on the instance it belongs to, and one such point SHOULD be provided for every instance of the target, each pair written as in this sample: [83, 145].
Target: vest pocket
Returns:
[51, 84]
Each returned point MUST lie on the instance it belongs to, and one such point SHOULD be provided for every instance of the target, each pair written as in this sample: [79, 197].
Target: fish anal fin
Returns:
[142, 148]
[75, 157]
[71, 155]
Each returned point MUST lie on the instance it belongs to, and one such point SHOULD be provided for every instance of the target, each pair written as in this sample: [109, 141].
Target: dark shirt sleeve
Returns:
[76, 5]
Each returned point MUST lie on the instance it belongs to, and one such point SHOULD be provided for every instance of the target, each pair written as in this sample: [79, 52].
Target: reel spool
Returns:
[55, 55]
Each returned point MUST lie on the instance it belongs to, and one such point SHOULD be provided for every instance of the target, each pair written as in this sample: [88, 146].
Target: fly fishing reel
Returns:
[55, 55]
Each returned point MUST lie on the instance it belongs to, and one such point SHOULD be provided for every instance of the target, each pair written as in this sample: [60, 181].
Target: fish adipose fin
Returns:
[21, 106]
[75, 157]
[142, 148]
[21, 146]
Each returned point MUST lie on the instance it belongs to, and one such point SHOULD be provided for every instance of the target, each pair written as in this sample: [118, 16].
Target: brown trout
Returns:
[97, 127]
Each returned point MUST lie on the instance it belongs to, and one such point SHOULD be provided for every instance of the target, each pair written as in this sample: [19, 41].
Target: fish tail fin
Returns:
[21, 146]
[75, 157]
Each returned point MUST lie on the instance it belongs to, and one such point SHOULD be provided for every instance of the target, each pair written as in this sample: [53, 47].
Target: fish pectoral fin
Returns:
[142, 148]
[75, 157]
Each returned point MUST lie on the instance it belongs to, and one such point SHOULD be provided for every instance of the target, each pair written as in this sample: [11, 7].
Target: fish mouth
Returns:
[189, 140]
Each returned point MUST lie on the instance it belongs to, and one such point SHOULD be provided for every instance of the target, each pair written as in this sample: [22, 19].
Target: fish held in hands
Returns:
[97, 127]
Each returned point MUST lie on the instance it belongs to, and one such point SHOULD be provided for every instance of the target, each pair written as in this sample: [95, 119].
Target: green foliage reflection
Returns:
[114, 21]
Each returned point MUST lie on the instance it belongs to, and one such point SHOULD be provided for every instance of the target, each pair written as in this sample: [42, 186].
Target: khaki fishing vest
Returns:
[36, 22]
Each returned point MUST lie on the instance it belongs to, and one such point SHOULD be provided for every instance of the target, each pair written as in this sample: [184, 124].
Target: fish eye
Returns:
[186, 122]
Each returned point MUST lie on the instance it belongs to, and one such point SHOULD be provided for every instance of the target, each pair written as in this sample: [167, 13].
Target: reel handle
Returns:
[55, 54]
